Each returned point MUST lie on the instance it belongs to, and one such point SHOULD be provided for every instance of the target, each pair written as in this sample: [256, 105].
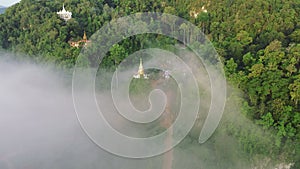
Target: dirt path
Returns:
[166, 122]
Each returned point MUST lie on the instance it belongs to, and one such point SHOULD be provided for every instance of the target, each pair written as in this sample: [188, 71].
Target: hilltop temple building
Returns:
[141, 73]
[81, 43]
[64, 14]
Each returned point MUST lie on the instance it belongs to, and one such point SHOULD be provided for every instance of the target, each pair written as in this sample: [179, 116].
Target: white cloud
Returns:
[8, 3]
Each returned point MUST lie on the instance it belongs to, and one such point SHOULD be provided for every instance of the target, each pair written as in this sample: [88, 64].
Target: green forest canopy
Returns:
[258, 41]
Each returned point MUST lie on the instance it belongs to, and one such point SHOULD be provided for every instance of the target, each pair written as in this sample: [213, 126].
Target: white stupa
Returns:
[64, 14]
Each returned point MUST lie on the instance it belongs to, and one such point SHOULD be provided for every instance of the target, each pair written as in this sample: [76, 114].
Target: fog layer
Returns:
[39, 130]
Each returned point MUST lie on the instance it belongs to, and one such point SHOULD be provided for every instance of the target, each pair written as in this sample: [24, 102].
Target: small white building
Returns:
[166, 74]
[64, 14]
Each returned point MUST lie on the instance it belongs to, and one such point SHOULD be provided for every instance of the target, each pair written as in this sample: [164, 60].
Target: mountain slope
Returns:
[258, 41]
[34, 28]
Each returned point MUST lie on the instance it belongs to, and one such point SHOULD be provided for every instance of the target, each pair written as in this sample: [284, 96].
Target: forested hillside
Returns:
[258, 41]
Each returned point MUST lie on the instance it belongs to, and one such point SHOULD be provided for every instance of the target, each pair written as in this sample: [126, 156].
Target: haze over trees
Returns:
[258, 41]
[2, 9]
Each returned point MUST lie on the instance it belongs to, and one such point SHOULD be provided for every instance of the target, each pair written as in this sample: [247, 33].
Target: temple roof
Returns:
[64, 14]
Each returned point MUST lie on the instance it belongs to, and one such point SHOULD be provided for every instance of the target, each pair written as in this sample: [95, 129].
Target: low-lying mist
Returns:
[39, 129]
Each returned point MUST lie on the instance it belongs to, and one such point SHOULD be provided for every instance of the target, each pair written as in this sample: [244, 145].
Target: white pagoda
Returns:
[141, 73]
[64, 14]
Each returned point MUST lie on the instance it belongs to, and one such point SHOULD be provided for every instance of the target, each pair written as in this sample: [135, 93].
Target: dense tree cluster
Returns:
[258, 41]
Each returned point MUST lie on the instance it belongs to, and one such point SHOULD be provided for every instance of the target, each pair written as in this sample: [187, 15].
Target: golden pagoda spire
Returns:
[141, 68]
[84, 36]
[141, 73]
